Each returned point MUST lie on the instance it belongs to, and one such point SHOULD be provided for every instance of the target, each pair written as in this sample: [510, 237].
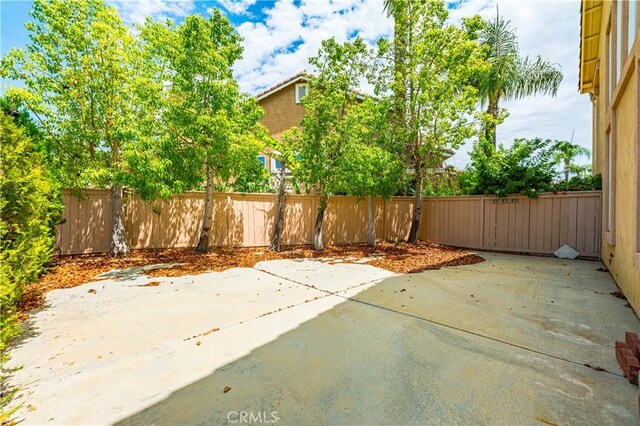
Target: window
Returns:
[619, 59]
[633, 23]
[611, 84]
[263, 160]
[275, 164]
[610, 186]
[302, 90]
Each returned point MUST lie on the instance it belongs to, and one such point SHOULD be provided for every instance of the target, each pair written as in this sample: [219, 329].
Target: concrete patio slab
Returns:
[503, 341]
[113, 341]
[323, 274]
[358, 364]
[562, 308]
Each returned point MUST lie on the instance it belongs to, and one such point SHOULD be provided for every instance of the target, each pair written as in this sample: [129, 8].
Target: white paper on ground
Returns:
[566, 252]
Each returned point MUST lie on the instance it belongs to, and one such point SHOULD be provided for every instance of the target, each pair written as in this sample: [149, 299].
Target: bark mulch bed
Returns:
[71, 271]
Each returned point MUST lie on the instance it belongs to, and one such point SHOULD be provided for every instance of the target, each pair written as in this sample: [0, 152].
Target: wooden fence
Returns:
[516, 224]
[512, 224]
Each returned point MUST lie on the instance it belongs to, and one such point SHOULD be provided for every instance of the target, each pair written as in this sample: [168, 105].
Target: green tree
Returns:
[510, 75]
[564, 155]
[369, 167]
[94, 96]
[403, 27]
[286, 155]
[527, 167]
[30, 207]
[214, 131]
[21, 118]
[324, 128]
[433, 88]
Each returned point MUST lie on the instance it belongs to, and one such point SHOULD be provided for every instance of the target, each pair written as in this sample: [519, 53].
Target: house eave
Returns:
[590, 23]
[270, 91]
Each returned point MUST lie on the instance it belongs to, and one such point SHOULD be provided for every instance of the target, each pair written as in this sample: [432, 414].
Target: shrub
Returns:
[579, 183]
[30, 206]
[443, 182]
[527, 167]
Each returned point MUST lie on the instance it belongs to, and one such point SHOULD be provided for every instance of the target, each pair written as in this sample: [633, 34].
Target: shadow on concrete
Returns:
[366, 362]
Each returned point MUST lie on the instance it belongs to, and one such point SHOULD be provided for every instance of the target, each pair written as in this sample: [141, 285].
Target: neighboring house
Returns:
[609, 62]
[282, 110]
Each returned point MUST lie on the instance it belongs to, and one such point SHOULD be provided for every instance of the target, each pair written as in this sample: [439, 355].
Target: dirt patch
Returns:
[71, 271]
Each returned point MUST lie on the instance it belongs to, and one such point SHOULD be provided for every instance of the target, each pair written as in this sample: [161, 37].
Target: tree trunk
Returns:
[490, 128]
[371, 240]
[567, 167]
[203, 243]
[119, 245]
[400, 48]
[417, 211]
[277, 230]
[317, 232]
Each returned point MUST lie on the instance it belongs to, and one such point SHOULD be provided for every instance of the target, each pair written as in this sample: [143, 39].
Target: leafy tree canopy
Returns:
[92, 93]
[527, 167]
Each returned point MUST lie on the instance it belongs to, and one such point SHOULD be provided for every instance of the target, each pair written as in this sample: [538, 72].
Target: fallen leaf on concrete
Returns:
[198, 343]
[92, 291]
[226, 389]
[150, 284]
[213, 330]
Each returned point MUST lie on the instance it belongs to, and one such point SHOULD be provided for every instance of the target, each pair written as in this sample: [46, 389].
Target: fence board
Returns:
[514, 224]
[519, 224]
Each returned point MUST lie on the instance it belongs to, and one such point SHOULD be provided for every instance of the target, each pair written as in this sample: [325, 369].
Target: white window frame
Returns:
[297, 91]
[273, 164]
[620, 38]
[632, 23]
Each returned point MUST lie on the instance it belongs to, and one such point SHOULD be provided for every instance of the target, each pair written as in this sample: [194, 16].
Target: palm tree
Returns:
[565, 153]
[511, 76]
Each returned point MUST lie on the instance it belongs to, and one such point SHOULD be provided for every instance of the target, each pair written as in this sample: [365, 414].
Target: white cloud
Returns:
[236, 7]
[280, 45]
[550, 29]
[135, 11]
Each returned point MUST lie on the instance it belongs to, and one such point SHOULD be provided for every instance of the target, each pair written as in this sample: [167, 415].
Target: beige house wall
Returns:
[618, 118]
[281, 111]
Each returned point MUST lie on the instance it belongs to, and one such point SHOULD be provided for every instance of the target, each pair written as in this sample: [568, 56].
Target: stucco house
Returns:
[282, 110]
[609, 62]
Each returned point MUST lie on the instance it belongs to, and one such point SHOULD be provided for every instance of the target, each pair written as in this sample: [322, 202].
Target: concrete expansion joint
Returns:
[328, 292]
[448, 326]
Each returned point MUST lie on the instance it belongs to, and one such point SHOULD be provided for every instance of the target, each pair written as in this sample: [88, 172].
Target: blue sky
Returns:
[280, 36]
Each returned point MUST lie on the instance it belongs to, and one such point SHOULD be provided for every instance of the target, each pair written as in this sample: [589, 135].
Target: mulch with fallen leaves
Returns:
[71, 271]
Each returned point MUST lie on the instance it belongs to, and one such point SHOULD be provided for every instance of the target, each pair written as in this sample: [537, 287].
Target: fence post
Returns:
[384, 220]
[482, 216]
